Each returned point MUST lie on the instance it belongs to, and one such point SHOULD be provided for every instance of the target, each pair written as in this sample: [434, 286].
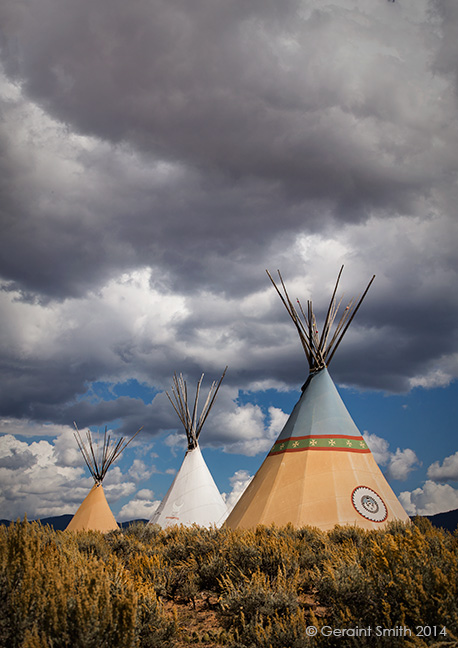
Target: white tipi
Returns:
[193, 497]
[94, 513]
[320, 471]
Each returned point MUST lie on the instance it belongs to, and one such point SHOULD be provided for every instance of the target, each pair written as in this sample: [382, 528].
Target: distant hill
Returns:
[447, 520]
[60, 522]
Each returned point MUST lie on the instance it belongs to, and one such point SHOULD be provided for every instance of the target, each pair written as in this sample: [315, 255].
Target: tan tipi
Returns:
[320, 471]
[193, 497]
[94, 512]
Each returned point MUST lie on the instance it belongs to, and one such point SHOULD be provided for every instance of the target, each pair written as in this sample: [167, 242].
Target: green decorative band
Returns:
[339, 442]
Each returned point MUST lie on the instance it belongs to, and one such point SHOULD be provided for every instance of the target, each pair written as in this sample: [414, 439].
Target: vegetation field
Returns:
[144, 587]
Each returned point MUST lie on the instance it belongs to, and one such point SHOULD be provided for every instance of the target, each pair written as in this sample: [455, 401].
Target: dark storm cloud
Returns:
[207, 141]
[446, 12]
[246, 89]
[273, 121]
[69, 230]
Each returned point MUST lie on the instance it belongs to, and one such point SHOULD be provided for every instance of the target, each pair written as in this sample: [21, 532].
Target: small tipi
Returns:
[319, 472]
[193, 497]
[94, 513]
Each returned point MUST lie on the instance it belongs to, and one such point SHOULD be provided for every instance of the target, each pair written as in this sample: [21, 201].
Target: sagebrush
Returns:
[144, 587]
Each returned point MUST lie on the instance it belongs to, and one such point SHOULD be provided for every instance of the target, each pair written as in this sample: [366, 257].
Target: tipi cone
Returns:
[94, 513]
[193, 497]
[320, 471]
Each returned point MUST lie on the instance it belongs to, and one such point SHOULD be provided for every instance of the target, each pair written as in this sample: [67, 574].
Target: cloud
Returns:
[137, 509]
[316, 114]
[283, 89]
[41, 478]
[448, 471]
[144, 494]
[430, 499]
[433, 497]
[176, 442]
[246, 429]
[239, 482]
[379, 448]
[29, 428]
[41, 487]
[15, 455]
[139, 471]
[399, 464]
[441, 377]
[66, 450]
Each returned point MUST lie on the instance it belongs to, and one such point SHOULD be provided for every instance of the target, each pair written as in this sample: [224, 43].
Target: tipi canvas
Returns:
[193, 497]
[94, 513]
[319, 472]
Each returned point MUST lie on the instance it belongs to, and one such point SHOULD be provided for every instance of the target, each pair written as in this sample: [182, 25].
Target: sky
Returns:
[157, 156]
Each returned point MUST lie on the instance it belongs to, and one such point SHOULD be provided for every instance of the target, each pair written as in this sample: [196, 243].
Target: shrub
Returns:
[258, 596]
[265, 586]
[56, 592]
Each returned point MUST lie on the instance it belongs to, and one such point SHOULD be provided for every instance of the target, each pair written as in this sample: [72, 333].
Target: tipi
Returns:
[320, 471]
[94, 513]
[193, 497]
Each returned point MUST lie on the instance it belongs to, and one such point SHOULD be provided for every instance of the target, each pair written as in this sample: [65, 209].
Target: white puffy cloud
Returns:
[245, 427]
[399, 464]
[42, 487]
[126, 307]
[15, 454]
[42, 479]
[137, 509]
[430, 499]
[66, 450]
[277, 422]
[139, 471]
[447, 471]
[145, 494]
[379, 448]
[177, 442]
[239, 482]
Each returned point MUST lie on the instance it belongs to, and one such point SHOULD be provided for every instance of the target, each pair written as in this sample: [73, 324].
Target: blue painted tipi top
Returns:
[320, 419]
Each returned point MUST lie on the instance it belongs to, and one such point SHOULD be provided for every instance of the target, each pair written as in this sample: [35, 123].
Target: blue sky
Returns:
[158, 157]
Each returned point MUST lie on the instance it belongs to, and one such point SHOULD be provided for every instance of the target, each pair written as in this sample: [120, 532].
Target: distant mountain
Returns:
[60, 522]
[447, 520]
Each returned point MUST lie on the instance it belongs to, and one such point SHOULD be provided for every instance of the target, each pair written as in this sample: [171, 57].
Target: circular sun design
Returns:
[369, 504]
